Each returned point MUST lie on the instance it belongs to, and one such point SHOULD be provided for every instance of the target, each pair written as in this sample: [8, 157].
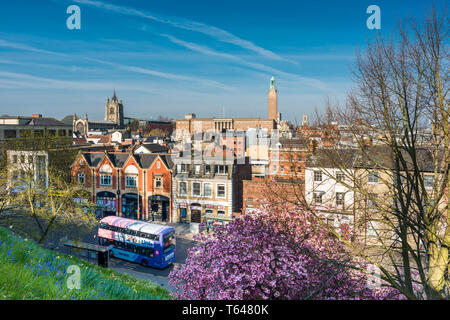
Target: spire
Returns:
[114, 98]
[272, 83]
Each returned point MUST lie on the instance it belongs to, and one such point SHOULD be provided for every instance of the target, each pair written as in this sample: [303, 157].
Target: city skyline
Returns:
[175, 58]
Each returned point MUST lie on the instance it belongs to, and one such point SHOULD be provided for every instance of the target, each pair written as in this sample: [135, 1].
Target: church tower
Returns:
[272, 110]
[114, 110]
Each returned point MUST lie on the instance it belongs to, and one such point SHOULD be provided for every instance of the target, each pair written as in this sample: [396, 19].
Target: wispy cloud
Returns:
[182, 23]
[19, 46]
[165, 75]
[22, 80]
[14, 80]
[258, 66]
[134, 69]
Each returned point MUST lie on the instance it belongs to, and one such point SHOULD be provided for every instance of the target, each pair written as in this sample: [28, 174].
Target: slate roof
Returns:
[145, 159]
[118, 159]
[154, 147]
[39, 121]
[94, 158]
[331, 158]
[371, 157]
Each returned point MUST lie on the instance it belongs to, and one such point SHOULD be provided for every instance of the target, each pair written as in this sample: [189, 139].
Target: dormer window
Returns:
[221, 169]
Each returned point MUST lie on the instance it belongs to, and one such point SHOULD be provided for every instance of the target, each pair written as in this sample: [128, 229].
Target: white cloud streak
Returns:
[214, 32]
[133, 69]
[19, 46]
[165, 75]
[258, 66]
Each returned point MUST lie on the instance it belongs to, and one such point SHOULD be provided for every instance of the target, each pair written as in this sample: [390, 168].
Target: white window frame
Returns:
[81, 174]
[373, 174]
[102, 179]
[318, 193]
[179, 188]
[316, 175]
[372, 228]
[340, 173]
[130, 178]
[224, 169]
[180, 168]
[161, 181]
[225, 190]
[426, 179]
[343, 199]
[212, 190]
[200, 189]
[370, 204]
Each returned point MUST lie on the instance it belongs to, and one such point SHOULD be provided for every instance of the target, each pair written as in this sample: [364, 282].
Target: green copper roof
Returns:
[272, 83]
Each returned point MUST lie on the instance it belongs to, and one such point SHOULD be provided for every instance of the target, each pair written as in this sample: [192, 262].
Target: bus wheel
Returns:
[144, 263]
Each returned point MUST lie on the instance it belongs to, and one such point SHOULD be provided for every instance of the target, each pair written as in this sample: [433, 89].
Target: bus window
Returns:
[147, 252]
[169, 242]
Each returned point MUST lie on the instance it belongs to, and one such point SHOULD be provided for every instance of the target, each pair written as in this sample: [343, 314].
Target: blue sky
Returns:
[212, 58]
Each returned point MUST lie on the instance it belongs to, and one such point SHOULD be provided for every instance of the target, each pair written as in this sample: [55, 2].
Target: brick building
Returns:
[191, 124]
[127, 184]
[257, 190]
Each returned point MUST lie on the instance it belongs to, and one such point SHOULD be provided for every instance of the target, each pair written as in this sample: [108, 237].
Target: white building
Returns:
[24, 163]
[328, 186]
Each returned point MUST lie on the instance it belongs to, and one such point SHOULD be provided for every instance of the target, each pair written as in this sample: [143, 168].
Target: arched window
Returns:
[105, 169]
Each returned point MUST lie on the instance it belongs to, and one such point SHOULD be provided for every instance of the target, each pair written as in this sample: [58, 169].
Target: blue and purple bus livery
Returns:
[141, 242]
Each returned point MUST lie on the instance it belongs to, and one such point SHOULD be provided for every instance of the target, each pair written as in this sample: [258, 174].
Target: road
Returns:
[155, 275]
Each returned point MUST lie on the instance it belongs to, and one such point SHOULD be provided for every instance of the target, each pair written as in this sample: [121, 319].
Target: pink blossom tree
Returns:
[273, 253]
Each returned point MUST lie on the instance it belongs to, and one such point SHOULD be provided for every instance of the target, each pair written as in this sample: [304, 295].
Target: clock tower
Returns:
[114, 110]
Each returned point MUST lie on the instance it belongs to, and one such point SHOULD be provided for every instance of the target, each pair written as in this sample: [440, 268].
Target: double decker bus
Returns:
[141, 242]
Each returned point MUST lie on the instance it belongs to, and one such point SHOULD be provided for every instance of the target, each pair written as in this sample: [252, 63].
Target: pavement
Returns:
[182, 230]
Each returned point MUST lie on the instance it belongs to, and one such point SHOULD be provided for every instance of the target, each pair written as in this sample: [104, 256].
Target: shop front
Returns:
[159, 207]
[106, 204]
[195, 217]
[131, 207]
[196, 212]
[182, 210]
[215, 215]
